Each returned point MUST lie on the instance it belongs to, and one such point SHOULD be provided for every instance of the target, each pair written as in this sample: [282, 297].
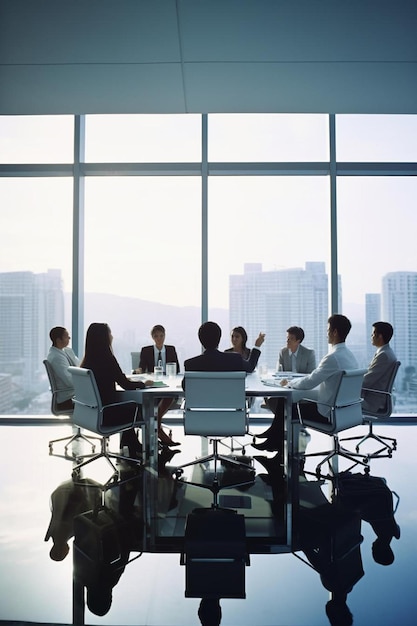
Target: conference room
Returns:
[238, 162]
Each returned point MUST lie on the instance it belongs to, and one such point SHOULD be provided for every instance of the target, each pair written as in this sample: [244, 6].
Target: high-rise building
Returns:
[272, 301]
[399, 307]
[30, 304]
[373, 314]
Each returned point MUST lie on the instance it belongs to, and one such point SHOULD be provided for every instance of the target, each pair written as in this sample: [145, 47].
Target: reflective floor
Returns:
[280, 588]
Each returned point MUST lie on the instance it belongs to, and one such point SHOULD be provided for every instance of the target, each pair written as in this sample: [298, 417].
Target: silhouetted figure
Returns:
[210, 612]
[67, 501]
[330, 534]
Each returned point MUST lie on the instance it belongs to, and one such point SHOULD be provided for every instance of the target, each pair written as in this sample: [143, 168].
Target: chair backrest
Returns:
[215, 404]
[346, 411]
[87, 401]
[54, 391]
[135, 356]
[384, 394]
[90, 413]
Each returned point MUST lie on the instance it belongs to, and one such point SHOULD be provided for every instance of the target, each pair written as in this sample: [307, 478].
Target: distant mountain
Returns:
[131, 320]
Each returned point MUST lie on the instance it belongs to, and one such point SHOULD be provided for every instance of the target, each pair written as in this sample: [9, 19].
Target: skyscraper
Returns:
[399, 307]
[30, 304]
[274, 300]
[373, 314]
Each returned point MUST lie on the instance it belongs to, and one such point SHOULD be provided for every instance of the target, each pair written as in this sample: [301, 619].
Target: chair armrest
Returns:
[124, 403]
[385, 393]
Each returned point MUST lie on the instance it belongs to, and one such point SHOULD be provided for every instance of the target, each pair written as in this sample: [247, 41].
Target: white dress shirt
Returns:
[322, 380]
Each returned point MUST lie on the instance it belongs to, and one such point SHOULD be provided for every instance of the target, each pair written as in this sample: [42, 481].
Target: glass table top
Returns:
[280, 588]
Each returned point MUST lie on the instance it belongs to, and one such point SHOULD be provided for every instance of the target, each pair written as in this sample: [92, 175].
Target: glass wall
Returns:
[189, 217]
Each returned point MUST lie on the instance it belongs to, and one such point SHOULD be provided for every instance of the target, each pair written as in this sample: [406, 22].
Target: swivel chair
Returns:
[374, 417]
[77, 436]
[215, 407]
[345, 411]
[92, 414]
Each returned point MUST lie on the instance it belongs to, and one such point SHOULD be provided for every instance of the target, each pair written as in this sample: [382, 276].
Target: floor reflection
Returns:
[347, 561]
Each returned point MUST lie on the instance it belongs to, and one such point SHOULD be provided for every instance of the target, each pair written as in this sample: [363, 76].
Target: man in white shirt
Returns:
[60, 356]
[321, 381]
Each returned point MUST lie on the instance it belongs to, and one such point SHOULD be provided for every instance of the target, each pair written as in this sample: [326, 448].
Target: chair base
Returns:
[115, 479]
[338, 451]
[386, 450]
[215, 486]
[76, 437]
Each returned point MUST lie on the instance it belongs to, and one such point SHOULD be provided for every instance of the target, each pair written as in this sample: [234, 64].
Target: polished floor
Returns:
[281, 590]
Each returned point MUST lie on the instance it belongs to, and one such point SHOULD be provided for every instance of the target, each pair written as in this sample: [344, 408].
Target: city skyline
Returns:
[40, 300]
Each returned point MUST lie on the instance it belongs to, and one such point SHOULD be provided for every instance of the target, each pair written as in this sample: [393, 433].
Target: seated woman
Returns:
[99, 357]
[151, 356]
[239, 338]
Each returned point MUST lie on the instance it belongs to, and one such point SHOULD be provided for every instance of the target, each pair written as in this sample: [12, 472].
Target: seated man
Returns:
[292, 358]
[377, 376]
[323, 377]
[151, 356]
[60, 356]
[212, 360]
[295, 357]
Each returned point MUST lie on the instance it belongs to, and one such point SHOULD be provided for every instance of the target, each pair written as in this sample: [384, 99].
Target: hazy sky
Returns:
[142, 235]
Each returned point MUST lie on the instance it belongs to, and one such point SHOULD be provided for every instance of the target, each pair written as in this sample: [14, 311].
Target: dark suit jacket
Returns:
[147, 358]
[216, 361]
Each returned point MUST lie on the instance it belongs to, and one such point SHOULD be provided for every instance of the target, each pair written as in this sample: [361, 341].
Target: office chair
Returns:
[135, 356]
[372, 418]
[345, 412]
[68, 412]
[215, 407]
[90, 413]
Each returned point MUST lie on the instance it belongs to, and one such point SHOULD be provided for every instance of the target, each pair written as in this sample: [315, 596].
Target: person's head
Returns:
[99, 599]
[239, 338]
[381, 333]
[158, 335]
[98, 340]
[338, 328]
[209, 335]
[59, 337]
[59, 551]
[295, 336]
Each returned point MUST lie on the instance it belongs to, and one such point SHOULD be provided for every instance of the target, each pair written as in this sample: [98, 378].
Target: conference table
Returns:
[257, 386]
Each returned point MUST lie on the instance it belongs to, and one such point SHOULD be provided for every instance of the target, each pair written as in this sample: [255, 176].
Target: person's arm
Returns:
[124, 382]
[326, 368]
[280, 361]
[376, 371]
[60, 366]
[250, 363]
[145, 364]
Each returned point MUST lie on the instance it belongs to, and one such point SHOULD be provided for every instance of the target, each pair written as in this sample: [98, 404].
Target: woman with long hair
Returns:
[99, 357]
[239, 338]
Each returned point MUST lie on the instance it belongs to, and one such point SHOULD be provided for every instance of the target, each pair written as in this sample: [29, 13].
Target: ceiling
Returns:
[198, 56]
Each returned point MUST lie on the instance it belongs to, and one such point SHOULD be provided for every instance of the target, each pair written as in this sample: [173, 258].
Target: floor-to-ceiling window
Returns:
[188, 217]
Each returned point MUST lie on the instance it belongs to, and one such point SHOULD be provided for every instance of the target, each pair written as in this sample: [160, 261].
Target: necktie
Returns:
[159, 358]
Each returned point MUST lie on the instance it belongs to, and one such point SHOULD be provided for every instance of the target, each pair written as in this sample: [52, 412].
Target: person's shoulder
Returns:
[305, 349]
